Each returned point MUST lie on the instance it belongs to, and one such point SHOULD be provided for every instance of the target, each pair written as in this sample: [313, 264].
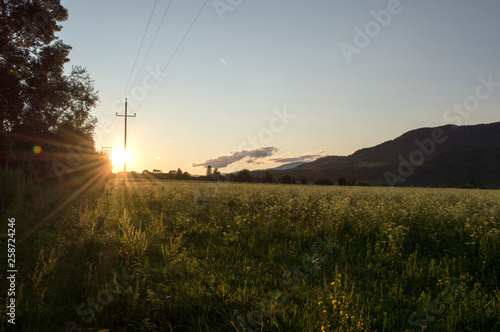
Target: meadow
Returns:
[195, 256]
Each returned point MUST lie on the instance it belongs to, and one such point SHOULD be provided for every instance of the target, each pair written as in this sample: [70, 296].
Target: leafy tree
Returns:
[39, 105]
[268, 177]
[287, 179]
[342, 181]
[209, 171]
[32, 63]
[217, 176]
[470, 184]
[244, 176]
[303, 179]
[324, 182]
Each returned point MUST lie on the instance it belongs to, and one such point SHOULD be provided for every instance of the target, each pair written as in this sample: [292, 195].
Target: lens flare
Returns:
[37, 149]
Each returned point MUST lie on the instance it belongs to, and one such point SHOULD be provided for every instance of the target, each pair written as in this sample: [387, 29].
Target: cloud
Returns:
[303, 158]
[254, 156]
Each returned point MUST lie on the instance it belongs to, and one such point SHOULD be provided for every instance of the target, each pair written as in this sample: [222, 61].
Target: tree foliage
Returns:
[40, 105]
[342, 181]
[287, 179]
[324, 182]
[244, 176]
[268, 178]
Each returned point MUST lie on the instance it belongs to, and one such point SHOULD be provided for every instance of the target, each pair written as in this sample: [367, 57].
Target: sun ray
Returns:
[93, 177]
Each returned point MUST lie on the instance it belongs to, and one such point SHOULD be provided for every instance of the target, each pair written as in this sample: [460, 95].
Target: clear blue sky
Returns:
[245, 61]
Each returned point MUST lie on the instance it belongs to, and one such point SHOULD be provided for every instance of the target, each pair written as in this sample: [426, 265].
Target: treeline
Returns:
[243, 175]
[247, 176]
[156, 174]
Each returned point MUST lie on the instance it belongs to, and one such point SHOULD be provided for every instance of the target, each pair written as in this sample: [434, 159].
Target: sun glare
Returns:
[119, 156]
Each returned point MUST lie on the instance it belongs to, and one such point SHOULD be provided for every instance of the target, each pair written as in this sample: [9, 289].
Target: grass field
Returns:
[189, 256]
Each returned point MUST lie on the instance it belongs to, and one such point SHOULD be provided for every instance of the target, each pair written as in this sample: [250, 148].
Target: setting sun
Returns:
[119, 156]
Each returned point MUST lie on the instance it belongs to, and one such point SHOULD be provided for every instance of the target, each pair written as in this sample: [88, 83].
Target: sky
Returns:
[256, 83]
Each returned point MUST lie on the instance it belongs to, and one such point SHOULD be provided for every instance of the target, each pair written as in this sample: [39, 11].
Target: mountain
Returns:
[421, 157]
[322, 162]
[287, 166]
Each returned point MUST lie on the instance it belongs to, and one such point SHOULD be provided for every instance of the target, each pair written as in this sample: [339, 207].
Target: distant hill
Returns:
[421, 157]
[287, 166]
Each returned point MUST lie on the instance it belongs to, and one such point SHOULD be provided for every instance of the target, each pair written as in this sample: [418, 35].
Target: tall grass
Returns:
[236, 257]
[16, 191]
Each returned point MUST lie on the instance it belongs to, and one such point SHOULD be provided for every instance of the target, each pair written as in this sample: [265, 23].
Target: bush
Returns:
[342, 181]
[324, 182]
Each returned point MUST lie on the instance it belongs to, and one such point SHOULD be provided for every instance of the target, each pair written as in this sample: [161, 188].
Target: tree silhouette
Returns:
[470, 184]
[244, 176]
[342, 181]
[324, 182]
[268, 177]
[286, 179]
[39, 105]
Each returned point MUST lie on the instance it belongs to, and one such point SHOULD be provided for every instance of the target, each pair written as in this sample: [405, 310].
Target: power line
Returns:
[125, 140]
[152, 43]
[140, 47]
[173, 55]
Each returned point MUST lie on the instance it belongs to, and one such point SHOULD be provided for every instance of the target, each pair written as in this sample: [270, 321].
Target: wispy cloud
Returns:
[254, 156]
[302, 158]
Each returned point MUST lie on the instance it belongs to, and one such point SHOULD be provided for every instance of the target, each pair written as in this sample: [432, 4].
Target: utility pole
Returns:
[125, 143]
